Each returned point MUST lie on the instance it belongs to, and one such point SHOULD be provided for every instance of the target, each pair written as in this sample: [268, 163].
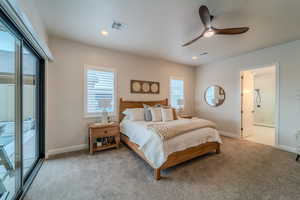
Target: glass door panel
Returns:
[21, 122]
[9, 151]
[29, 139]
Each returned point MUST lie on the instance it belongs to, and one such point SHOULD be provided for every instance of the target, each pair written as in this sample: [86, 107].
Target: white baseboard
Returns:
[287, 148]
[228, 134]
[265, 125]
[79, 147]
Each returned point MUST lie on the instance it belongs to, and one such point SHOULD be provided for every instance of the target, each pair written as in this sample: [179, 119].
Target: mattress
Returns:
[156, 150]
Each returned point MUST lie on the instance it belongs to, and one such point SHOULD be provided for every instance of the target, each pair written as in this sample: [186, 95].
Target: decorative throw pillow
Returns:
[167, 114]
[135, 114]
[147, 112]
[156, 114]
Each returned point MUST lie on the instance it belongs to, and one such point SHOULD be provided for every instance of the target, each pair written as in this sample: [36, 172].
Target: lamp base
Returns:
[104, 117]
[180, 111]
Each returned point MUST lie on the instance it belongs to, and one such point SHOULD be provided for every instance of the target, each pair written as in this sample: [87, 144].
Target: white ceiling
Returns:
[158, 28]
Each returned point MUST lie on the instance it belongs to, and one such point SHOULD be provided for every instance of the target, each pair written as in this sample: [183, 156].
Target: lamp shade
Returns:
[180, 102]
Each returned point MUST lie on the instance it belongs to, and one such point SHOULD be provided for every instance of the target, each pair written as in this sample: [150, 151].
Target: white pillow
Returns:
[167, 114]
[135, 114]
[156, 114]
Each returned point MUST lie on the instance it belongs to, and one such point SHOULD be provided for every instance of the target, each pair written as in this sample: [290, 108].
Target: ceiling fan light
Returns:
[104, 33]
[209, 33]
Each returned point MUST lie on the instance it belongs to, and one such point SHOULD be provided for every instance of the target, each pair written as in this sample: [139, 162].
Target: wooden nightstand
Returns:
[108, 134]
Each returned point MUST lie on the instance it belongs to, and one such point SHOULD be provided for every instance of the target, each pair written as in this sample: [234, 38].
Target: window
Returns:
[100, 84]
[176, 92]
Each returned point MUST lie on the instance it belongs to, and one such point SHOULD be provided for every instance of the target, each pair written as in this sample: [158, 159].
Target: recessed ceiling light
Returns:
[104, 33]
[194, 57]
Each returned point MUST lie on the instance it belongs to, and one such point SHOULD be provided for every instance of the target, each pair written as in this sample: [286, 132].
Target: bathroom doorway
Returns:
[258, 105]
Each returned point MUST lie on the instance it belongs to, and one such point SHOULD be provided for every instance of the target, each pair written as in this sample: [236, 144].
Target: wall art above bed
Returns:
[144, 87]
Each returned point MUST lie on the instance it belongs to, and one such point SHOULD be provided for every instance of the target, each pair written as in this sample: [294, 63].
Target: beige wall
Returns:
[30, 10]
[226, 73]
[65, 115]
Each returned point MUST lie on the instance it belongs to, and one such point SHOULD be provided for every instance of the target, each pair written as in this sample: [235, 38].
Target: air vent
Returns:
[203, 54]
[118, 25]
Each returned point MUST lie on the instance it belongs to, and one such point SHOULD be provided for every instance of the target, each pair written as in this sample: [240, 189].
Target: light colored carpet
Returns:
[244, 170]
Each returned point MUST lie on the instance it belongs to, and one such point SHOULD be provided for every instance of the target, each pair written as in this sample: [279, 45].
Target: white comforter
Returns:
[155, 149]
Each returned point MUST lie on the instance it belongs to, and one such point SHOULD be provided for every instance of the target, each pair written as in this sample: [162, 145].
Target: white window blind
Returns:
[176, 91]
[100, 84]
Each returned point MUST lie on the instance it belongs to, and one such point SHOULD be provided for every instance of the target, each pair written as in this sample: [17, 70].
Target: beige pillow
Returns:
[174, 111]
[167, 114]
[156, 114]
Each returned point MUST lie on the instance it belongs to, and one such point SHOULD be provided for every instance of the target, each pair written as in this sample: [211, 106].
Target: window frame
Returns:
[170, 89]
[105, 69]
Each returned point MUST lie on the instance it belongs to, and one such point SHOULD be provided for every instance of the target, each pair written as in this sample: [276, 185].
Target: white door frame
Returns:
[277, 102]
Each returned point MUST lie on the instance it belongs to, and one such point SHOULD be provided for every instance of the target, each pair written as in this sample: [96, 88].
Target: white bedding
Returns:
[156, 150]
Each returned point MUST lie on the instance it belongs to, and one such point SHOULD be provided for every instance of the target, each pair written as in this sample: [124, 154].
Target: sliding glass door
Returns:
[21, 116]
[9, 126]
[29, 90]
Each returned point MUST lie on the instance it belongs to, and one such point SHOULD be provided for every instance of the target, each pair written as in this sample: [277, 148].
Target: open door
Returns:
[247, 86]
[258, 105]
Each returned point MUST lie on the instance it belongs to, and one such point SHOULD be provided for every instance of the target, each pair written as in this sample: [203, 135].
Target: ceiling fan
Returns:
[209, 30]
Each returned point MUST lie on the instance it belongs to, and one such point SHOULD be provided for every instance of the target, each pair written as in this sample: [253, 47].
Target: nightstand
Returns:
[103, 137]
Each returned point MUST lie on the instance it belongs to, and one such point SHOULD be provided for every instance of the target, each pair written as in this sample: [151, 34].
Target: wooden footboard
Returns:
[176, 157]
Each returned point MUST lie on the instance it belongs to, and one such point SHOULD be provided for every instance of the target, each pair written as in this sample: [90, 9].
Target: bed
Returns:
[170, 153]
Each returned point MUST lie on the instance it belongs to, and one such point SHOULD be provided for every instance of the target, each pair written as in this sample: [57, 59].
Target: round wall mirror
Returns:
[214, 96]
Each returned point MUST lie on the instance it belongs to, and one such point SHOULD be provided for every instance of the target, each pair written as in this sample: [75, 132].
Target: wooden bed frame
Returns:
[174, 158]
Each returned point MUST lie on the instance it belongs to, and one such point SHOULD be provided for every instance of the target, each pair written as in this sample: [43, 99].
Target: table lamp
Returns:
[180, 103]
[104, 104]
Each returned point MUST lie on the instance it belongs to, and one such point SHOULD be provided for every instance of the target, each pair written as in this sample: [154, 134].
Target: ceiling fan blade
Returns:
[194, 40]
[230, 31]
[205, 16]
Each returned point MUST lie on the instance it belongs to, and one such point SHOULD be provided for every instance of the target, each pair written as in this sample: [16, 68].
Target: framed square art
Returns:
[144, 87]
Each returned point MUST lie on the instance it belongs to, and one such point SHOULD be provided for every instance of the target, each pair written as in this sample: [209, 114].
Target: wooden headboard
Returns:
[137, 104]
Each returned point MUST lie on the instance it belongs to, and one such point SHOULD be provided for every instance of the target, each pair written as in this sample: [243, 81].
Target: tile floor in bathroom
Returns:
[262, 135]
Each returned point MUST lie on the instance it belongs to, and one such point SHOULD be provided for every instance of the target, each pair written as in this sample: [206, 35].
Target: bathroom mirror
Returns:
[214, 96]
